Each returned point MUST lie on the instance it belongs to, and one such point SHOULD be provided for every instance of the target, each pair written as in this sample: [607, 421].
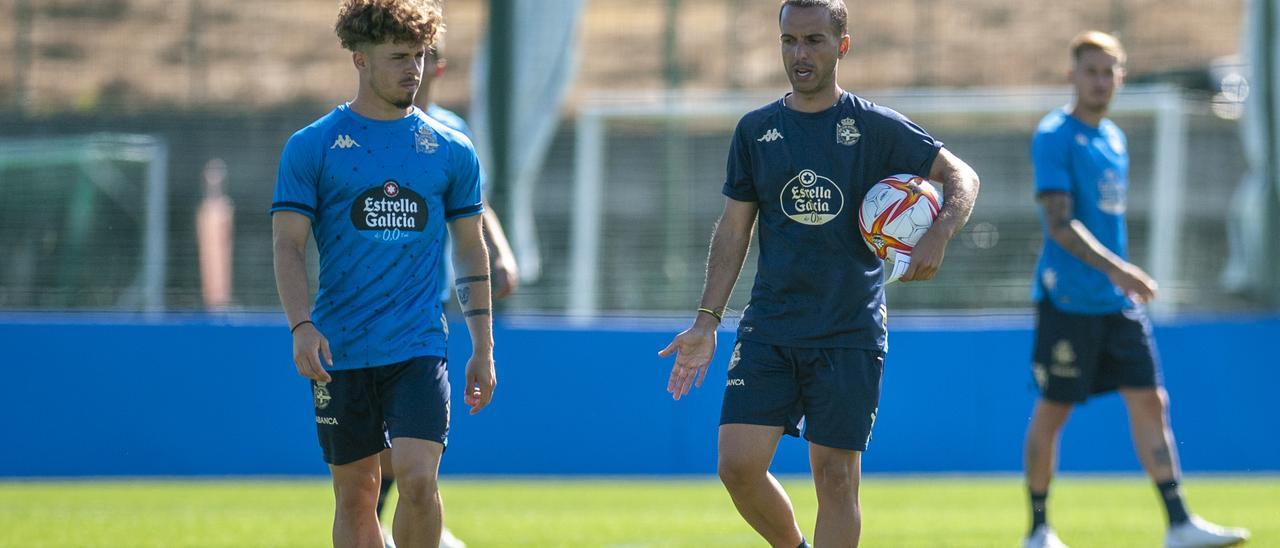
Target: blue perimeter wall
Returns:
[103, 394]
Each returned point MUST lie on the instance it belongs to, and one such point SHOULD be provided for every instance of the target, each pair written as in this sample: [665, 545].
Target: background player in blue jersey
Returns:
[811, 342]
[502, 262]
[375, 181]
[1092, 333]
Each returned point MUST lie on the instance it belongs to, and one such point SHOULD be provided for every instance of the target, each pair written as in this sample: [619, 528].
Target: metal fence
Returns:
[231, 80]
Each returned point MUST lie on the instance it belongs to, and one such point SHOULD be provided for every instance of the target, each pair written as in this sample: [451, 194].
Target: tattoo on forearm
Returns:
[476, 312]
[464, 295]
[1058, 216]
[471, 280]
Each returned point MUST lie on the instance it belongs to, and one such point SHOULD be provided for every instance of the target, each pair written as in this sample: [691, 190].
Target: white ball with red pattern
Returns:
[895, 213]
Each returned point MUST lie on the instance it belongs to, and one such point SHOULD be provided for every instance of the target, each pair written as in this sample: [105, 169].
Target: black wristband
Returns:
[300, 324]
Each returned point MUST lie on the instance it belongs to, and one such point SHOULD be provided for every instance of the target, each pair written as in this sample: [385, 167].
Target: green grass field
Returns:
[898, 511]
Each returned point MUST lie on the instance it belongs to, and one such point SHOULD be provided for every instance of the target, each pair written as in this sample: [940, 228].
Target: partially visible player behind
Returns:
[811, 342]
[1092, 332]
[502, 262]
[376, 182]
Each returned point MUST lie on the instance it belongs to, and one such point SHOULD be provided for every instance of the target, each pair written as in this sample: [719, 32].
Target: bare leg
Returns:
[745, 453]
[355, 490]
[419, 514]
[836, 475]
[388, 476]
[1041, 451]
[1152, 437]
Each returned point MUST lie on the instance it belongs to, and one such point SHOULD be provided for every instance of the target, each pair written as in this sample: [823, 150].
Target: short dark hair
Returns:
[377, 21]
[839, 14]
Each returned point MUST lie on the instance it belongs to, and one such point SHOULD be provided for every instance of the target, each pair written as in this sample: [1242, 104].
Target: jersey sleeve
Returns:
[463, 197]
[908, 147]
[739, 183]
[1050, 163]
[298, 179]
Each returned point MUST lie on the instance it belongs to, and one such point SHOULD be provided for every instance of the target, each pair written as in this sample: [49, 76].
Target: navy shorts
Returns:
[834, 390]
[1079, 355]
[362, 410]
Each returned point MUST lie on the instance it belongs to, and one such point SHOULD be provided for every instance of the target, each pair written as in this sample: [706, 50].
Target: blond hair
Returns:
[1097, 40]
[362, 22]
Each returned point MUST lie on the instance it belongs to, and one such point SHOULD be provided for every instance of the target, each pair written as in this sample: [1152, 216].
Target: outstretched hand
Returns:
[1135, 283]
[693, 349]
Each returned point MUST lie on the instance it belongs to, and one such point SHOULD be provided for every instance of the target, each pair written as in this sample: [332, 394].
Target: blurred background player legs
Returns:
[502, 261]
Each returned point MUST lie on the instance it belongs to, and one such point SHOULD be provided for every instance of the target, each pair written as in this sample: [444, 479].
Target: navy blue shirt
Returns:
[379, 194]
[817, 285]
[1092, 165]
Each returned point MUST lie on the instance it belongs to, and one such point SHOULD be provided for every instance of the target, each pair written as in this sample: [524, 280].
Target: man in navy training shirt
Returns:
[1092, 332]
[811, 342]
[375, 181]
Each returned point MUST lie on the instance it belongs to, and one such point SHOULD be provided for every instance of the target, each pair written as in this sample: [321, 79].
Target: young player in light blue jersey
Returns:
[811, 342]
[1092, 333]
[376, 182]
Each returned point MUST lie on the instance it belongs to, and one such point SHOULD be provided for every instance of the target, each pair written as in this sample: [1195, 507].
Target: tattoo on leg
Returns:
[476, 312]
[1162, 456]
[471, 280]
[464, 295]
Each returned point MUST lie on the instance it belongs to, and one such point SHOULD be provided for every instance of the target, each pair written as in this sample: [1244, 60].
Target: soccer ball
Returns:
[895, 213]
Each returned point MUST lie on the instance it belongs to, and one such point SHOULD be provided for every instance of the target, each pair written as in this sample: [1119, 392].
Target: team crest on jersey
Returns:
[847, 132]
[320, 392]
[1117, 144]
[811, 199]
[425, 141]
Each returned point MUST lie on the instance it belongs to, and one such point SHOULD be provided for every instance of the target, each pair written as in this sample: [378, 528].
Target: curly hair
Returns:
[377, 21]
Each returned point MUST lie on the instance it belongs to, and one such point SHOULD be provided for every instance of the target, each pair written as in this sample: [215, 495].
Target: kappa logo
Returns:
[1041, 375]
[344, 141]
[770, 136]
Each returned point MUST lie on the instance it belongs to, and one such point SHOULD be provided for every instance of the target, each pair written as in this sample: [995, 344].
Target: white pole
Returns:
[584, 248]
[157, 227]
[1168, 185]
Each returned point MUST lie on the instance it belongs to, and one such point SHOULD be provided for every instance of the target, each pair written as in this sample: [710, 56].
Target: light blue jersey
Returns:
[449, 119]
[456, 123]
[379, 194]
[1092, 165]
